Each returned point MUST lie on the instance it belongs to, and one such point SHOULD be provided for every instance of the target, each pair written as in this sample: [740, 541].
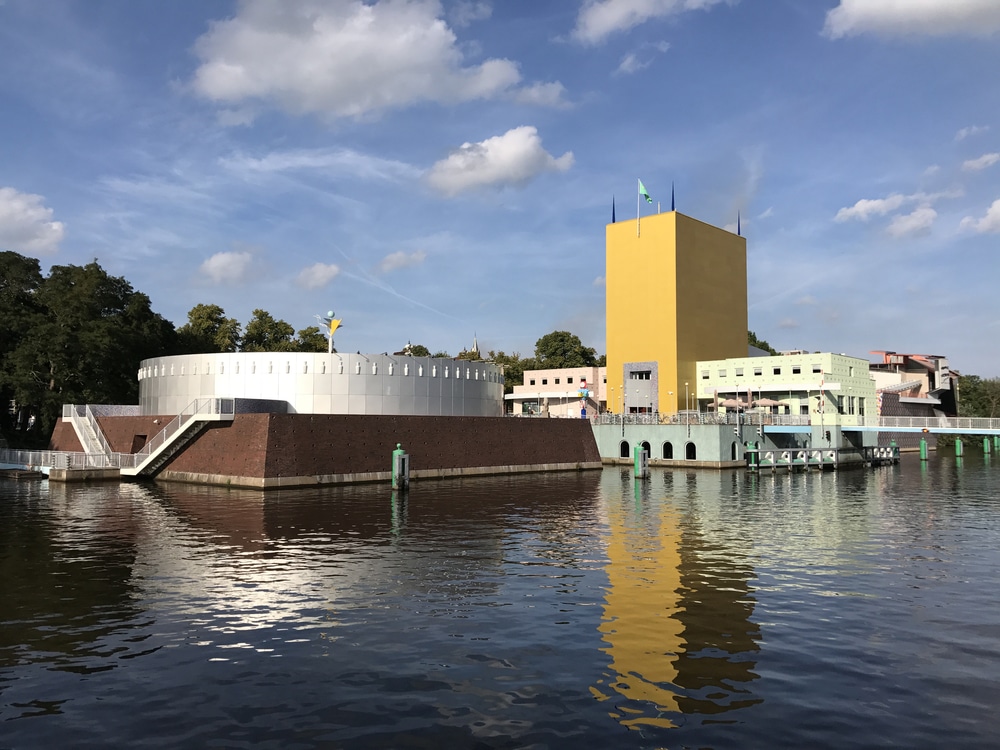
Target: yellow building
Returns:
[676, 294]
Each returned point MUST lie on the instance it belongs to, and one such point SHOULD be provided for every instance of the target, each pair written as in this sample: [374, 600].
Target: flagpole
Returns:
[638, 197]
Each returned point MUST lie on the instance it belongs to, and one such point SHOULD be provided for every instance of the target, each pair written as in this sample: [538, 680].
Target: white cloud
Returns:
[341, 58]
[514, 158]
[229, 267]
[768, 213]
[466, 12]
[633, 62]
[927, 17]
[989, 223]
[917, 222]
[865, 208]
[964, 133]
[317, 275]
[400, 259]
[600, 282]
[26, 224]
[337, 161]
[598, 19]
[984, 161]
[542, 94]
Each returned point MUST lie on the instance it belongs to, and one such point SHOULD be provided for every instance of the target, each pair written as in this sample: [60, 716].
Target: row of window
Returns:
[569, 381]
[775, 370]
[470, 374]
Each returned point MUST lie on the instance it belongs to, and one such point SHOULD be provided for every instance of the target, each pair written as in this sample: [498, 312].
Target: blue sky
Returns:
[433, 170]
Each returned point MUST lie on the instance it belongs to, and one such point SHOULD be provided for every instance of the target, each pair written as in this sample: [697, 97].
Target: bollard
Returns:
[986, 446]
[996, 442]
[641, 460]
[958, 446]
[923, 449]
[400, 468]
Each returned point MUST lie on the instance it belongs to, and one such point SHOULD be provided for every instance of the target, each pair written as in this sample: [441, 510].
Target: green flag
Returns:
[644, 193]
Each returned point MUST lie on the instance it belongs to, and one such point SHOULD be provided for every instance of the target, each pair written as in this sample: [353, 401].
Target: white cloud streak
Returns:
[983, 162]
[511, 159]
[972, 130]
[228, 267]
[337, 161]
[26, 224]
[401, 259]
[341, 58]
[990, 222]
[317, 276]
[918, 222]
[599, 19]
[913, 17]
[866, 208]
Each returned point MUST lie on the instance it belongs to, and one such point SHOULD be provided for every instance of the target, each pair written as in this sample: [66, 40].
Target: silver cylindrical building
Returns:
[314, 383]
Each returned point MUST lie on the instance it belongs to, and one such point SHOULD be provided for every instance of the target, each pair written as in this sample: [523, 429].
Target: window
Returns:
[222, 369]
[322, 368]
[406, 368]
[840, 404]
[288, 367]
[804, 410]
[434, 371]
[557, 381]
[569, 380]
[545, 381]
[357, 367]
[796, 370]
[305, 368]
[391, 368]
[722, 373]
[704, 374]
[758, 371]
[420, 371]
[861, 406]
[640, 375]
[817, 369]
[739, 372]
[850, 371]
[532, 382]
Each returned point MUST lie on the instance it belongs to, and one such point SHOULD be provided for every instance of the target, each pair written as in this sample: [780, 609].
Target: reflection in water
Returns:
[677, 611]
[712, 609]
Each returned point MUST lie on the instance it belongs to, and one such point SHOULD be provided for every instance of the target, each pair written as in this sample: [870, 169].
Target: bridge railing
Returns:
[57, 459]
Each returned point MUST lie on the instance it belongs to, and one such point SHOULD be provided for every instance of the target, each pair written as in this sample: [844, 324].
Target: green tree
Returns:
[85, 344]
[442, 354]
[20, 278]
[563, 349]
[208, 330]
[513, 368]
[752, 340]
[471, 356]
[265, 334]
[311, 339]
[979, 397]
[415, 350]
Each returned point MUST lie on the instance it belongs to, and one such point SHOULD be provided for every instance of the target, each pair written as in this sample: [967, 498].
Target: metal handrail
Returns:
[198, 407]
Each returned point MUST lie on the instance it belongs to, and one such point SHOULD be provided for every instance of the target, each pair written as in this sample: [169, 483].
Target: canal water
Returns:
[693, 610]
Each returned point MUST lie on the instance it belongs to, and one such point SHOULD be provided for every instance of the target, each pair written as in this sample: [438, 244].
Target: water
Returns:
[701, 609]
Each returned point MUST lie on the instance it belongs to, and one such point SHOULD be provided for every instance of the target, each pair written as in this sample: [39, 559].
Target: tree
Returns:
[470, 355]
[20, 278]
[752, 340]
[265, 334]
[513, 368]
[414, 350]
[311, 339]
[208, 330]
[441, 354]
[85, 343]
[979, 397]
[563, 349]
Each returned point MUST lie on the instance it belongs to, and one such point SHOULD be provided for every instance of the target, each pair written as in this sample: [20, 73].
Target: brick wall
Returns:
[292, 445]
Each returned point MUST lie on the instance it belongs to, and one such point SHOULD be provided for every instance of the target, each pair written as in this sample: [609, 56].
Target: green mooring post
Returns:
[986, 446]
[958, 446]
[996, 442]
[923, 449]
[400, 468]
[641, 459]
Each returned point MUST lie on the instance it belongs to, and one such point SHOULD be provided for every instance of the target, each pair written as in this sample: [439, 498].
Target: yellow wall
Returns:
[675, 294]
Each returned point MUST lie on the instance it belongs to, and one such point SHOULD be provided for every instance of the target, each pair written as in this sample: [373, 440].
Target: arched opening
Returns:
[623, 449]
[690, 452]
[645, 446]
[733, 453]
[668, 450]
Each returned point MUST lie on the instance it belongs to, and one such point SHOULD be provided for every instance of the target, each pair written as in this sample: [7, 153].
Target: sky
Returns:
[438, 170]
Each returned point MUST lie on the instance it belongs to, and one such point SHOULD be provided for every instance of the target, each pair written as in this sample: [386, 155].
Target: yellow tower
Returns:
[676, 293]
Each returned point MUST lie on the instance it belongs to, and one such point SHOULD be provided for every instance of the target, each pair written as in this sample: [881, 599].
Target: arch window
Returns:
[690, 452]
[668, 450]
[623, 449]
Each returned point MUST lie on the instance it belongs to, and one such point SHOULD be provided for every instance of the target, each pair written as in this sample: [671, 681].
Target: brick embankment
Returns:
[280, 450]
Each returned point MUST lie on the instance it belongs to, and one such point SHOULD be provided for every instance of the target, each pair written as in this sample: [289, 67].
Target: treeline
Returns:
[79, 334]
